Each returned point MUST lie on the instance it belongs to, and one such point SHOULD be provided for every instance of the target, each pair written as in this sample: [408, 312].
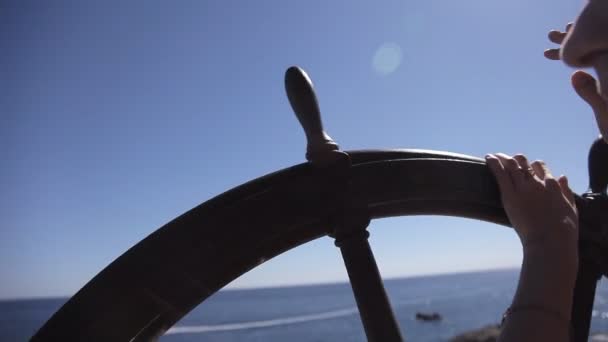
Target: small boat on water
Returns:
[420, 316]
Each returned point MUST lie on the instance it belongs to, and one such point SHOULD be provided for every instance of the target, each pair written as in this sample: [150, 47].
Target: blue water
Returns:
[324, 312]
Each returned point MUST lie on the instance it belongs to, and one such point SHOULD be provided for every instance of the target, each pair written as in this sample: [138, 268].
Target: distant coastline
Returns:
[387, 279]
[263, 287]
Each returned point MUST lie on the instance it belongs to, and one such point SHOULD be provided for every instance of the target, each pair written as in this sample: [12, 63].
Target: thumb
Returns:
[586, 87]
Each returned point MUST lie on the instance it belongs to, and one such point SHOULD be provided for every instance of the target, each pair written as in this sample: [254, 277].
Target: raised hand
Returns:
[581, 48]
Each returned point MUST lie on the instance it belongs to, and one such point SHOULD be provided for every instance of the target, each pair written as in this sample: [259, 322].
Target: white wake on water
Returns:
[261, 324]
[194, 329]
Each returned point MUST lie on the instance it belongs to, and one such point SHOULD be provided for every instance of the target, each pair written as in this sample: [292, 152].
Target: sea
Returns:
[325, 312]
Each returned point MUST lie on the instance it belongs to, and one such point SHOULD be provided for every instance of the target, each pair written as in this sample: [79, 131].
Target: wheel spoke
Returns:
[374, 308]
[584, 296]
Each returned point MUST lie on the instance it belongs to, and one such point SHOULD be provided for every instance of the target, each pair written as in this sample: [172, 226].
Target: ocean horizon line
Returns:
[228, 288]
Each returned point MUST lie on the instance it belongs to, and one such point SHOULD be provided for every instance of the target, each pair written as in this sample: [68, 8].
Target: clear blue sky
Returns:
[118, 116]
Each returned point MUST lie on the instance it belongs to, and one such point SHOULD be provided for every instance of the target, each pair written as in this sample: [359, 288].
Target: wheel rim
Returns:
[156, 282]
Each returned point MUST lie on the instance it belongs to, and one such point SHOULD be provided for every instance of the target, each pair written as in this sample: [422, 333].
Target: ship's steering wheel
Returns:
[159, 280]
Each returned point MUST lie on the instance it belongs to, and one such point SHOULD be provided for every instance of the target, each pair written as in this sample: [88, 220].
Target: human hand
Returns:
[586, 44]
[541, 208]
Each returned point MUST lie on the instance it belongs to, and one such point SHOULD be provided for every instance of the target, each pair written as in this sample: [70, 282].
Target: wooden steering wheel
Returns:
[159, 280]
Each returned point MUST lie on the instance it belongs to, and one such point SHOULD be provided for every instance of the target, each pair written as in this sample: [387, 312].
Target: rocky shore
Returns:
[490, 333]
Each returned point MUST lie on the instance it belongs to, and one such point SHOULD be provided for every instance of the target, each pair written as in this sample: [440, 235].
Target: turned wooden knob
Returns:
[320, 146]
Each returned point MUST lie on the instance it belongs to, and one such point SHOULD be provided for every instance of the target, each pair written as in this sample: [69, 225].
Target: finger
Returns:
[522, 161]
[552, 54]
[512, 168]
[552, 184]
[502, 177]
[527, 171]
[539, 169]
[545, 168]
[563, 183]
[586, 87]
[556, 36]
[569, 26]
[509, 163]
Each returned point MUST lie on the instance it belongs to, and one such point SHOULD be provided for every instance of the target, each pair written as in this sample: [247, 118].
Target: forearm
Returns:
[543, 301]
